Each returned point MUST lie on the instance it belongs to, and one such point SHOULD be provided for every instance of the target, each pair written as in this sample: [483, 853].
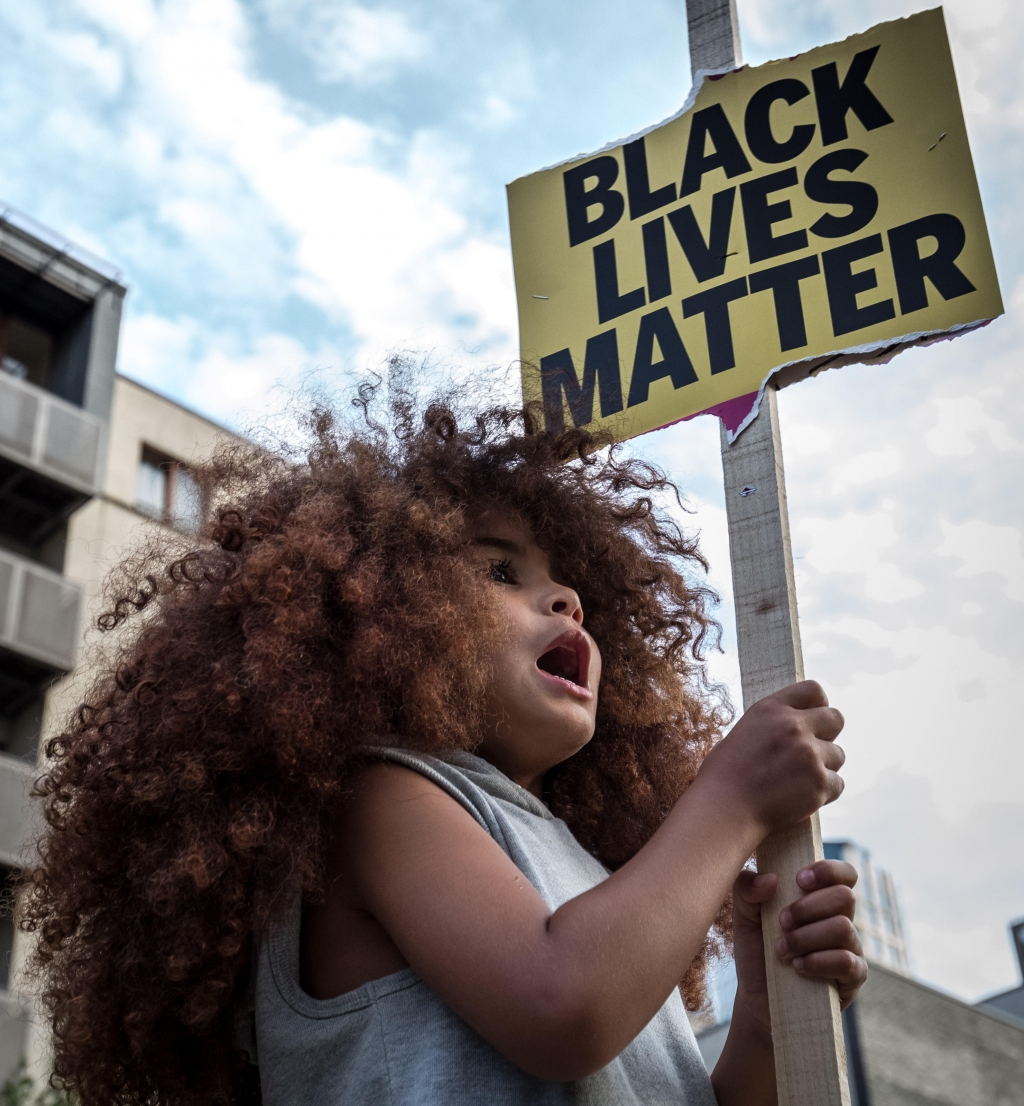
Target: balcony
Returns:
[39, 618]
[50, 456]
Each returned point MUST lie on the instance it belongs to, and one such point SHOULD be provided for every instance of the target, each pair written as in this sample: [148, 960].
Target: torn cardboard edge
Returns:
[739, 412]
[698, 82]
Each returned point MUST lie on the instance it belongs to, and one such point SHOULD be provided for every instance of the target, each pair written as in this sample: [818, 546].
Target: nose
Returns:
[566, 601]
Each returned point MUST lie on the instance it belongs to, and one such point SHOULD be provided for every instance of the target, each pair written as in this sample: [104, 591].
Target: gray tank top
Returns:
[394, 1042]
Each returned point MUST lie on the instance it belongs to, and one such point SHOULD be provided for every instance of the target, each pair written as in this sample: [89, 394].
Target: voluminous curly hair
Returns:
[328, 604]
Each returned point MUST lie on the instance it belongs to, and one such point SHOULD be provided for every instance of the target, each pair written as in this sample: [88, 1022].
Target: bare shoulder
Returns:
[392, 807]
[443, 897]
[389, 842]
[386, 787]
[385, 781]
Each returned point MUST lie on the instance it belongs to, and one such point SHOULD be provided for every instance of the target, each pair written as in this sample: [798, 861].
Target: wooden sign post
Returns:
[807, 1028]
[810, 1058]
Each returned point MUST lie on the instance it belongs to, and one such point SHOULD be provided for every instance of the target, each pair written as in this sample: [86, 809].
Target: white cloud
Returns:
[102, 63]
[986, 548]
[908, 715]
[807, 439]
[978, 15]
[961, 418]
[867, 468]
[252, 199]
[238, 385]
[134, 18]
[229, 380]
[371, 246]
[152, 345]
[958, 874]
[855, 543]
[348, 42]
[965, 960]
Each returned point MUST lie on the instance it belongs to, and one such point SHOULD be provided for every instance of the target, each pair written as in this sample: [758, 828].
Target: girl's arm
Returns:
[561, 994]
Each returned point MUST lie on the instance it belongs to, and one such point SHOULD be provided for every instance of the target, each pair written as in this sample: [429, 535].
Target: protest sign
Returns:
[795, 215]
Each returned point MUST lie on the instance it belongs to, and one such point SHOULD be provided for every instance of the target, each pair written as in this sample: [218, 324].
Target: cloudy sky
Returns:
[298, 186]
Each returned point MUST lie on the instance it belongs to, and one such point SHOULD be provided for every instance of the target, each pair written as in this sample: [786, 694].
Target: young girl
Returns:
[407, 788]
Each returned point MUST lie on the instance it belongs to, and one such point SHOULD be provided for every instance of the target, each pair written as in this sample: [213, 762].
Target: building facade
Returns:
[60, 315]
[90, 463]
[879, 918]
[1010, 1004]
[911, 1045]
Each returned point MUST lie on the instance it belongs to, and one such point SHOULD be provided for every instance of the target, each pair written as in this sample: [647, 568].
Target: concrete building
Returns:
[908, 1044]
[90, 462]
[879, 917]
[911, 1045]
[1010, 1004]
[60, 314]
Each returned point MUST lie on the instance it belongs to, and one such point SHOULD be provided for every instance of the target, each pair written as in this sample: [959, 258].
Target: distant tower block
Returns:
[879, 919]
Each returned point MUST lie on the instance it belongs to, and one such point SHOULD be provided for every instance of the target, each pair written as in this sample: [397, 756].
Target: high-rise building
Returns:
[879, 917]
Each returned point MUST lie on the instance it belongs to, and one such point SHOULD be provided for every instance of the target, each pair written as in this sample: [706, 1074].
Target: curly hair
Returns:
[328, 604]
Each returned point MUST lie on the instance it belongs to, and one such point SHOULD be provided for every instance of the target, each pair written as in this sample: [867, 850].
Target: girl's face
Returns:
[543, 696]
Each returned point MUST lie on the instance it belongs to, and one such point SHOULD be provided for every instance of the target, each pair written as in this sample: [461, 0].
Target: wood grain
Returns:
[810, 1057]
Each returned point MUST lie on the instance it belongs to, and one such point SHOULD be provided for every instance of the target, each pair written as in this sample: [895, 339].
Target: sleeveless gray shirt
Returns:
[393, 1042]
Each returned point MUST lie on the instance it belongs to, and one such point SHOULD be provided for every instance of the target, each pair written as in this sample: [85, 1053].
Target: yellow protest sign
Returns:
[799, 213]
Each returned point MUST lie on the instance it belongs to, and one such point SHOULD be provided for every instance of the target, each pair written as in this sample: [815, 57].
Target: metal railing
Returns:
[39, 612]
[57, 243]
[49, 434]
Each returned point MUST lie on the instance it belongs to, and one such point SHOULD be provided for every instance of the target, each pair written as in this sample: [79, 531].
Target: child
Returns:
[337, 827]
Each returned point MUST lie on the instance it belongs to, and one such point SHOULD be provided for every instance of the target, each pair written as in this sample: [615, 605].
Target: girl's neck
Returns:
[529, 779]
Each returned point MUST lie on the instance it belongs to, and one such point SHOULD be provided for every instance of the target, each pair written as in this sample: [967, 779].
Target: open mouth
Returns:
[567, 659]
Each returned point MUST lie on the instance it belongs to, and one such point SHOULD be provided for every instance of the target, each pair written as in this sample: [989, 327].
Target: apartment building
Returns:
[879, 916]
[60, 315]
[90, 463]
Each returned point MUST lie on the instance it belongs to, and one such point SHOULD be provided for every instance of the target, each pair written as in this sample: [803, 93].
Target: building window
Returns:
[6, 925]
[25, 350]
[165, 489]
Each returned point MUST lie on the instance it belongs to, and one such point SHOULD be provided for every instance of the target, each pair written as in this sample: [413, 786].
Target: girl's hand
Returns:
[780, 762]
[820, 943]
[820, 940]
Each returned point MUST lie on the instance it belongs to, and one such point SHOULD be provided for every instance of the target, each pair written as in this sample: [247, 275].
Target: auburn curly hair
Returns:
[326, 604]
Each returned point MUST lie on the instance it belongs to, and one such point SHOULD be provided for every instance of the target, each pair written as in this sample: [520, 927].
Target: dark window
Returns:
[165, 489]
[23, 684]
[25, 351]
[6, 924]
[44, 332]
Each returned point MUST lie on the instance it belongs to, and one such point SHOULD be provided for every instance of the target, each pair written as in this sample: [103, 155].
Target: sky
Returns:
[295, 188]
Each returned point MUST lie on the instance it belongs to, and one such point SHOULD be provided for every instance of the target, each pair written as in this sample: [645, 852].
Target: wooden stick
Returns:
[807, 1031]
[714, 33]
[810, 1057]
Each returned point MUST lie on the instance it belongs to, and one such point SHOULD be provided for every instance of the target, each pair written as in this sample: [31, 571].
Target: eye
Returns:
[501, 572]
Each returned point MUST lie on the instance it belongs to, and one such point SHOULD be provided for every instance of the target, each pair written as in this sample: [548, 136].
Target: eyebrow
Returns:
[503, 544]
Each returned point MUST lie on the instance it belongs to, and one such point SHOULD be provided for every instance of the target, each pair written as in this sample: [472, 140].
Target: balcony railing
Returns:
[49, 434]
[39, 612]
